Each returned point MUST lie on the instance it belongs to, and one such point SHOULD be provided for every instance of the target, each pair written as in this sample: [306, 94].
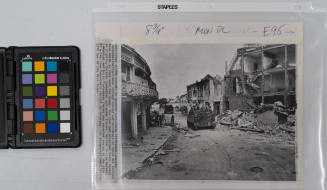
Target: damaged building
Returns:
[182, 100]
[138, 92]
[208, 91]
[261, 75]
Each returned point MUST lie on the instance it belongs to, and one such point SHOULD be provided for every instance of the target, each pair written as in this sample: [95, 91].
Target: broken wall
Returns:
[290, 56]
[274, 82]
[251, 64]
[228, 88]
[254, 63]
[239, 103]
[292, 80]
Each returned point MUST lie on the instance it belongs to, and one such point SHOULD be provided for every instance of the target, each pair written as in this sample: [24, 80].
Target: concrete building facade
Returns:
[138, 92]
[208, 91]
[261, 75]
[182, 100]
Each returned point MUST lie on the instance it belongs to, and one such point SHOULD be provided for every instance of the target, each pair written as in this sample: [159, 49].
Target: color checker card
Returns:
[47, 90]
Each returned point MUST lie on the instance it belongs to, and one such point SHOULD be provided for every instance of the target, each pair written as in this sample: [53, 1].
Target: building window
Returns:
[234, 85]
[200, 91]
[128, 73]
[194, 93]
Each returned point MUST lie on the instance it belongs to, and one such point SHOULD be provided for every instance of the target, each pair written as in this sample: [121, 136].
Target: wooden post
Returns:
[286, 90]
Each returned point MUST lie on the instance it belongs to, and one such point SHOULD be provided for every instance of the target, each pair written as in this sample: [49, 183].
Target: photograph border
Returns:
[116, 28]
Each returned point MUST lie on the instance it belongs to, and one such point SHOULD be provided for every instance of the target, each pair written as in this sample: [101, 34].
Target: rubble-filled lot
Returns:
[269, 119]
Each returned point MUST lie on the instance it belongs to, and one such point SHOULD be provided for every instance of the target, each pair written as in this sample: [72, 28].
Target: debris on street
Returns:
[181, 130]
[153, 158]
[266, 118]
[173, 150]
[161, 152]
[190, 135]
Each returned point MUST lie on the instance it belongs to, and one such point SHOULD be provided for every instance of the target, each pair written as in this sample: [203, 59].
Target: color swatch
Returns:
[46, 97]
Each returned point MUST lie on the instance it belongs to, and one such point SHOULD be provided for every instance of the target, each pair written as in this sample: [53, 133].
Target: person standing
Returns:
[161, 115]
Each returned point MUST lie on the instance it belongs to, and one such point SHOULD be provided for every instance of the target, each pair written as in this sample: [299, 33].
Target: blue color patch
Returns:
[51, 65]
[52, 127]
[27, 66]
[39, 115]
[27, 103]
[27, 79]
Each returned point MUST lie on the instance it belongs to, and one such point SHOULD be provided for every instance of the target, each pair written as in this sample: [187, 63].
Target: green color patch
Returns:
[52, 115]
[39, 78]
[27, 91]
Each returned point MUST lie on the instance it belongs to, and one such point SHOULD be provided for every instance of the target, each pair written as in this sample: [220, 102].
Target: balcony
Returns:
[138, 90]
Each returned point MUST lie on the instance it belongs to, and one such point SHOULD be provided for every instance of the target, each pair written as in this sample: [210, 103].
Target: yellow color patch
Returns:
[52, 90]
[38, 65]
[40, 128]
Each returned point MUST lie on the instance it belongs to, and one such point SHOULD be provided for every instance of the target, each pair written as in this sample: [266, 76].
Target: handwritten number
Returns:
[153, 29]
[275, 30]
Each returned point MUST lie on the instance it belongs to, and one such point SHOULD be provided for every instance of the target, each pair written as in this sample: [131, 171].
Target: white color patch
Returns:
[64, 127]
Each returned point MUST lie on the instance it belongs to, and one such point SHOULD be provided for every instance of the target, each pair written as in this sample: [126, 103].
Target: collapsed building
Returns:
[138, 92]
[261, 75]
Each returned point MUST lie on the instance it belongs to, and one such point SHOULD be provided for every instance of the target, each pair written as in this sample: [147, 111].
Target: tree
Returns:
[163, 101]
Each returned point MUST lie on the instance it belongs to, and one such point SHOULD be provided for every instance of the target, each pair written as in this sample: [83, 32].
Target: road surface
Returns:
[221, 154]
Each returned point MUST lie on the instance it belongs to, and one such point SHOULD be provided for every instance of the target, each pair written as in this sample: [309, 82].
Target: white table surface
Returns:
[57, 22]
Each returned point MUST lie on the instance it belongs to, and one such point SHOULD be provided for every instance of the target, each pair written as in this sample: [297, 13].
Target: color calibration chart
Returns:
[46, 97]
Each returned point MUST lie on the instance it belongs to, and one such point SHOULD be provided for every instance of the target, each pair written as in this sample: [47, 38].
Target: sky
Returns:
[173, 67]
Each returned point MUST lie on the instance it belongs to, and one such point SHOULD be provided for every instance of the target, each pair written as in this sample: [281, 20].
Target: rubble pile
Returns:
[181, 130]
[191, 135]
[270, 119]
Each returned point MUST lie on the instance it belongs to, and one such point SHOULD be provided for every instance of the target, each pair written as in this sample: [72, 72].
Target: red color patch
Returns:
[52, 103]
[39, 103]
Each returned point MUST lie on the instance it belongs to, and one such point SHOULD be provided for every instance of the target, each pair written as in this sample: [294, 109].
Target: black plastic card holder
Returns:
[39, 98]
[3, 129]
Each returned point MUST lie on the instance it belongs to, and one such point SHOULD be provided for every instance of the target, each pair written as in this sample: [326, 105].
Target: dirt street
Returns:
[221, 154]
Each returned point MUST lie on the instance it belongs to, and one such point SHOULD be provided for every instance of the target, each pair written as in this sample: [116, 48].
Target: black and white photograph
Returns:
[209, 112]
